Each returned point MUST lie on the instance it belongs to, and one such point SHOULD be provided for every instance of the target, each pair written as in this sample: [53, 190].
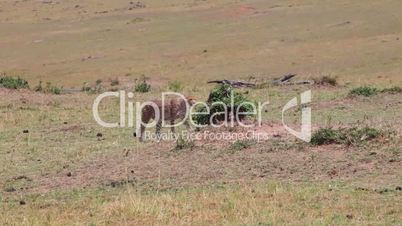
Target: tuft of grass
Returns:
[175, 86]
[114, 82]
[239, 145]
[392, 90]
[349, 136]
[366, 91]
[326, 80]
[94, 89]
[13, 83]
[49, 88]
[183, 144]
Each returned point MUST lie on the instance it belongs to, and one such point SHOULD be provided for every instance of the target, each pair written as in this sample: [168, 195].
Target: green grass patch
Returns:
[143, 86]
[175, 86]
[13, 83]
[349, 136]
[366, 91]
[239, 145]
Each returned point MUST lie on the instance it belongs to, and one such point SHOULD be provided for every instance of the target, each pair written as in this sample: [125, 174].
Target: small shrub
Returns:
[13, 83]
[142, 87]
[221, 93]
[325, 136]
[393, 90]
[326, 80]
[356, 135]
[366, 91]
[175, 86]
[349, 136]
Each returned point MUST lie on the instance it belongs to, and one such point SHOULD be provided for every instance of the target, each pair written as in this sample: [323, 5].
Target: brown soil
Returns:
[159, 165]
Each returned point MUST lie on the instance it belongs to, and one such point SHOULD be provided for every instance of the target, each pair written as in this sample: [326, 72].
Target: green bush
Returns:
[325, 136]
[13, 83]
[175, 86]
[366, 91]
[347, 136]
[142, 87]
[221, 93]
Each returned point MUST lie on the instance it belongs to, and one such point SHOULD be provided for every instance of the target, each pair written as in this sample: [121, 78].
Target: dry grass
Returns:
[243, 204]
[72, 42]
[356, 41]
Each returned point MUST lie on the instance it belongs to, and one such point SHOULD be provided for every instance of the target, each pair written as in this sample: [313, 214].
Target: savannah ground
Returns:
[58, 167]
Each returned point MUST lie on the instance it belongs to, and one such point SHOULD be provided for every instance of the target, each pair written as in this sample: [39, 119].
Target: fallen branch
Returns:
[233, 83]
[283, 79]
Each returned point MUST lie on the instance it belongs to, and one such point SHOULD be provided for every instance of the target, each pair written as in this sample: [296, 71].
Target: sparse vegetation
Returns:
[326, 80]
[366, 91]
[175, 86]
[49, 88]
[239, 145]
[183, 144]
[143, 86]
[392, 90]
[53, 89]
[13, 83]
[347, 136]
[97, 88]
[114, 82]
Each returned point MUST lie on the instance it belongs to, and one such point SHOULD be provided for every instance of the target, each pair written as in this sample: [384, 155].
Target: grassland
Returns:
[58, 167]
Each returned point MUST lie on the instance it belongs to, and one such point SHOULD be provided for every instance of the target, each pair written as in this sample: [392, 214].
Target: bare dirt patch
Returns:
[209, 162]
